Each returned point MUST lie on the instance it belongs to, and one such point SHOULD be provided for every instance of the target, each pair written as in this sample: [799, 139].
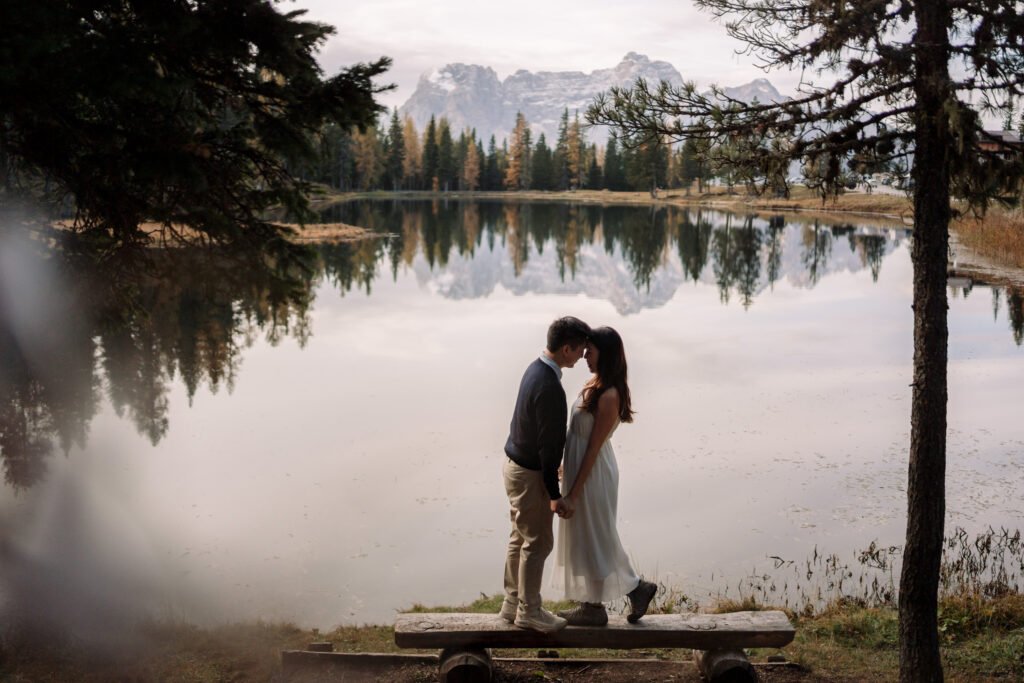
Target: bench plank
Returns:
[695, 631]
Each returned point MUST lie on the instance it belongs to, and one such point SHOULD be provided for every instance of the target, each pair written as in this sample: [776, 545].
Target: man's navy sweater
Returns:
[536, 437]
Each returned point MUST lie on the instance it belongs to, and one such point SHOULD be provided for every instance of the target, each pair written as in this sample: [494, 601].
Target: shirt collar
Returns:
[552, 364]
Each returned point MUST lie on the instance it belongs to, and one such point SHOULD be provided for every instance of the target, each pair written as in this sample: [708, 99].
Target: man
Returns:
[534, 448]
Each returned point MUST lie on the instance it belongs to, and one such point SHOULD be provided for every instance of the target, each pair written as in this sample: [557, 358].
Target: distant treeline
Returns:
[399, 157]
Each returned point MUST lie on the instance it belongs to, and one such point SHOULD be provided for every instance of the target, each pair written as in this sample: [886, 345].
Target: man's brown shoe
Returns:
[508, 610]
[539, 619]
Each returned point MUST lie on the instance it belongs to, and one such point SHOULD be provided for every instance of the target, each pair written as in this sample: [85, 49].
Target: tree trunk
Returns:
[926, 497]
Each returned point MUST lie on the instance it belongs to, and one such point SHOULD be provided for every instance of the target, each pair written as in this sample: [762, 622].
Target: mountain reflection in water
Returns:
[195, 314]
[746, 253]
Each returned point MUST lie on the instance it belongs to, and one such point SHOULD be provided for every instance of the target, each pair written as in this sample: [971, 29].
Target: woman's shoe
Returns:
[640, 599]
[585, 614]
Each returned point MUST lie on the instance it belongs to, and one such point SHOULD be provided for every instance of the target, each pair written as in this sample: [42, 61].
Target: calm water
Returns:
[334, 456]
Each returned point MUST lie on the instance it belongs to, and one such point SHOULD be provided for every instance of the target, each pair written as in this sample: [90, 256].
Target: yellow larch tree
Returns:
[411, 164]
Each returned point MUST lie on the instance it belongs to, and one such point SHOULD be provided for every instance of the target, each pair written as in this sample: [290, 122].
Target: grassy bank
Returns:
[844, 614]
[983, 640]
[999, 235]
[801, 199]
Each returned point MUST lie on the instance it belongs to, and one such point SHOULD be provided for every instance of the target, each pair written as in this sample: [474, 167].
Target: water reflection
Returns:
[195, 313]
[745, 253]
[192, 317]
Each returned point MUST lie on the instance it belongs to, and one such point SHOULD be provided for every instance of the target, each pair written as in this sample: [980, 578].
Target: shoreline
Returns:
[968, 238]
[982, 640]
[892, 208]
[853, 636]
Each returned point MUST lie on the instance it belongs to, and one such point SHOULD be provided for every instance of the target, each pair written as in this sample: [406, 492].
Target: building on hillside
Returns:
[1005, 142]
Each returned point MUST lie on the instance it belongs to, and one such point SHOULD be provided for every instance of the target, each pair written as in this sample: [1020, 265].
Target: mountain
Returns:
[472, 95]
[759, 89]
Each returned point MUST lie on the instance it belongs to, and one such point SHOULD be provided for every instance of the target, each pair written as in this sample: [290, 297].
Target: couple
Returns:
[591, 565]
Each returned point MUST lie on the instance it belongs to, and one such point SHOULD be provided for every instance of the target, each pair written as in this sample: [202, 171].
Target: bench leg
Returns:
[465, 665]
[725, 666]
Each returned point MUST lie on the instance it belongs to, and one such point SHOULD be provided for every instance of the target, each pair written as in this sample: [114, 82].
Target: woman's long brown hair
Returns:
[611, 372]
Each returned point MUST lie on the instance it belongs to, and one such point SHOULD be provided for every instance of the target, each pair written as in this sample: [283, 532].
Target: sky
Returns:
[530, 34]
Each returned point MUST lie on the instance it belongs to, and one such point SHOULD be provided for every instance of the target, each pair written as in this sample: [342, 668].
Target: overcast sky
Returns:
[553, 35]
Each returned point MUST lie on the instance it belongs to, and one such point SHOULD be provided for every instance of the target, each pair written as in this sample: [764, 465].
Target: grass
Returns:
[846, 626]
[800, 199]
[982, 639]
[848, 640]
[999, 235]
[167, 650]
[162, 235]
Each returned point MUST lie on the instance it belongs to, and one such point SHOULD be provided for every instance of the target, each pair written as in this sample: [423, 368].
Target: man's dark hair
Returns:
[567, 330]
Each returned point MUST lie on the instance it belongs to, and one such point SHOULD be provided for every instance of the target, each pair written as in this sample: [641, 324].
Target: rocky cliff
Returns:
[474, 96]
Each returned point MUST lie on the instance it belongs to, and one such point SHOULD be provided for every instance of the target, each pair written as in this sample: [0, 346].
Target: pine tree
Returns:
[179, 113]
[482, 156]
[575, 154]
[562, 152]
[430, 155]
[446, 174]
[334, 158]
[502, 162]
[689, 167]
[492, 178]
[394, 163]
[901, 80]
[595, 178]
[543, 165]
[528, 160]
[461, 152]
[614, 171]
[647, 165]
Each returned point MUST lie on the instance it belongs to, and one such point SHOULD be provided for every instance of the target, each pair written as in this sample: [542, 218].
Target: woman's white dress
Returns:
[590, 563]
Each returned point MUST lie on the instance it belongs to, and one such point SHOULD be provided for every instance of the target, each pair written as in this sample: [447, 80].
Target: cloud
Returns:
[532, 35]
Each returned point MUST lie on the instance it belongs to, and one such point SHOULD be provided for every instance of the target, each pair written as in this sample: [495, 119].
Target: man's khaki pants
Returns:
[531, 540]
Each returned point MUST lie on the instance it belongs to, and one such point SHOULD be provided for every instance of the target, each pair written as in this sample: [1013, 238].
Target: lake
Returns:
[335, 455]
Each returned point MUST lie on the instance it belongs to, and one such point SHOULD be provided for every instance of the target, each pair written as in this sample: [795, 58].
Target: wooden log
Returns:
[694, 631]
[320, 647]
[725, 666]
[465, 665]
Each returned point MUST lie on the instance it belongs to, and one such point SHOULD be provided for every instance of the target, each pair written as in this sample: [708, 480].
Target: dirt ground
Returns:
[621, 671]
[555, 670]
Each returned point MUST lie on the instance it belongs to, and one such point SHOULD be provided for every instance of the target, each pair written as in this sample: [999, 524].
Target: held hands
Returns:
[563, 507]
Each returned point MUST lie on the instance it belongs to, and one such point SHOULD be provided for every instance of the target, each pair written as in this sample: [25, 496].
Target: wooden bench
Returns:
[717, 639]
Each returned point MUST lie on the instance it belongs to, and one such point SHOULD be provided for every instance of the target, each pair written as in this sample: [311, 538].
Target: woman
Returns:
[591, 565]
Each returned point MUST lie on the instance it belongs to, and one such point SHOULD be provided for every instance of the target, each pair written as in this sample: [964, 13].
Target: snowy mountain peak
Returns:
[472, 95]
[760, 89]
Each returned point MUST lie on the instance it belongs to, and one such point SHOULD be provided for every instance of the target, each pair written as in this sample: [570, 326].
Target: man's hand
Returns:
[563, 508]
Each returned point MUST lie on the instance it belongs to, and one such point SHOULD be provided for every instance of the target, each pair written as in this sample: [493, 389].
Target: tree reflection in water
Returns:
[642, 236]
[1014, 309]
[191, 316]
[194, 313]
